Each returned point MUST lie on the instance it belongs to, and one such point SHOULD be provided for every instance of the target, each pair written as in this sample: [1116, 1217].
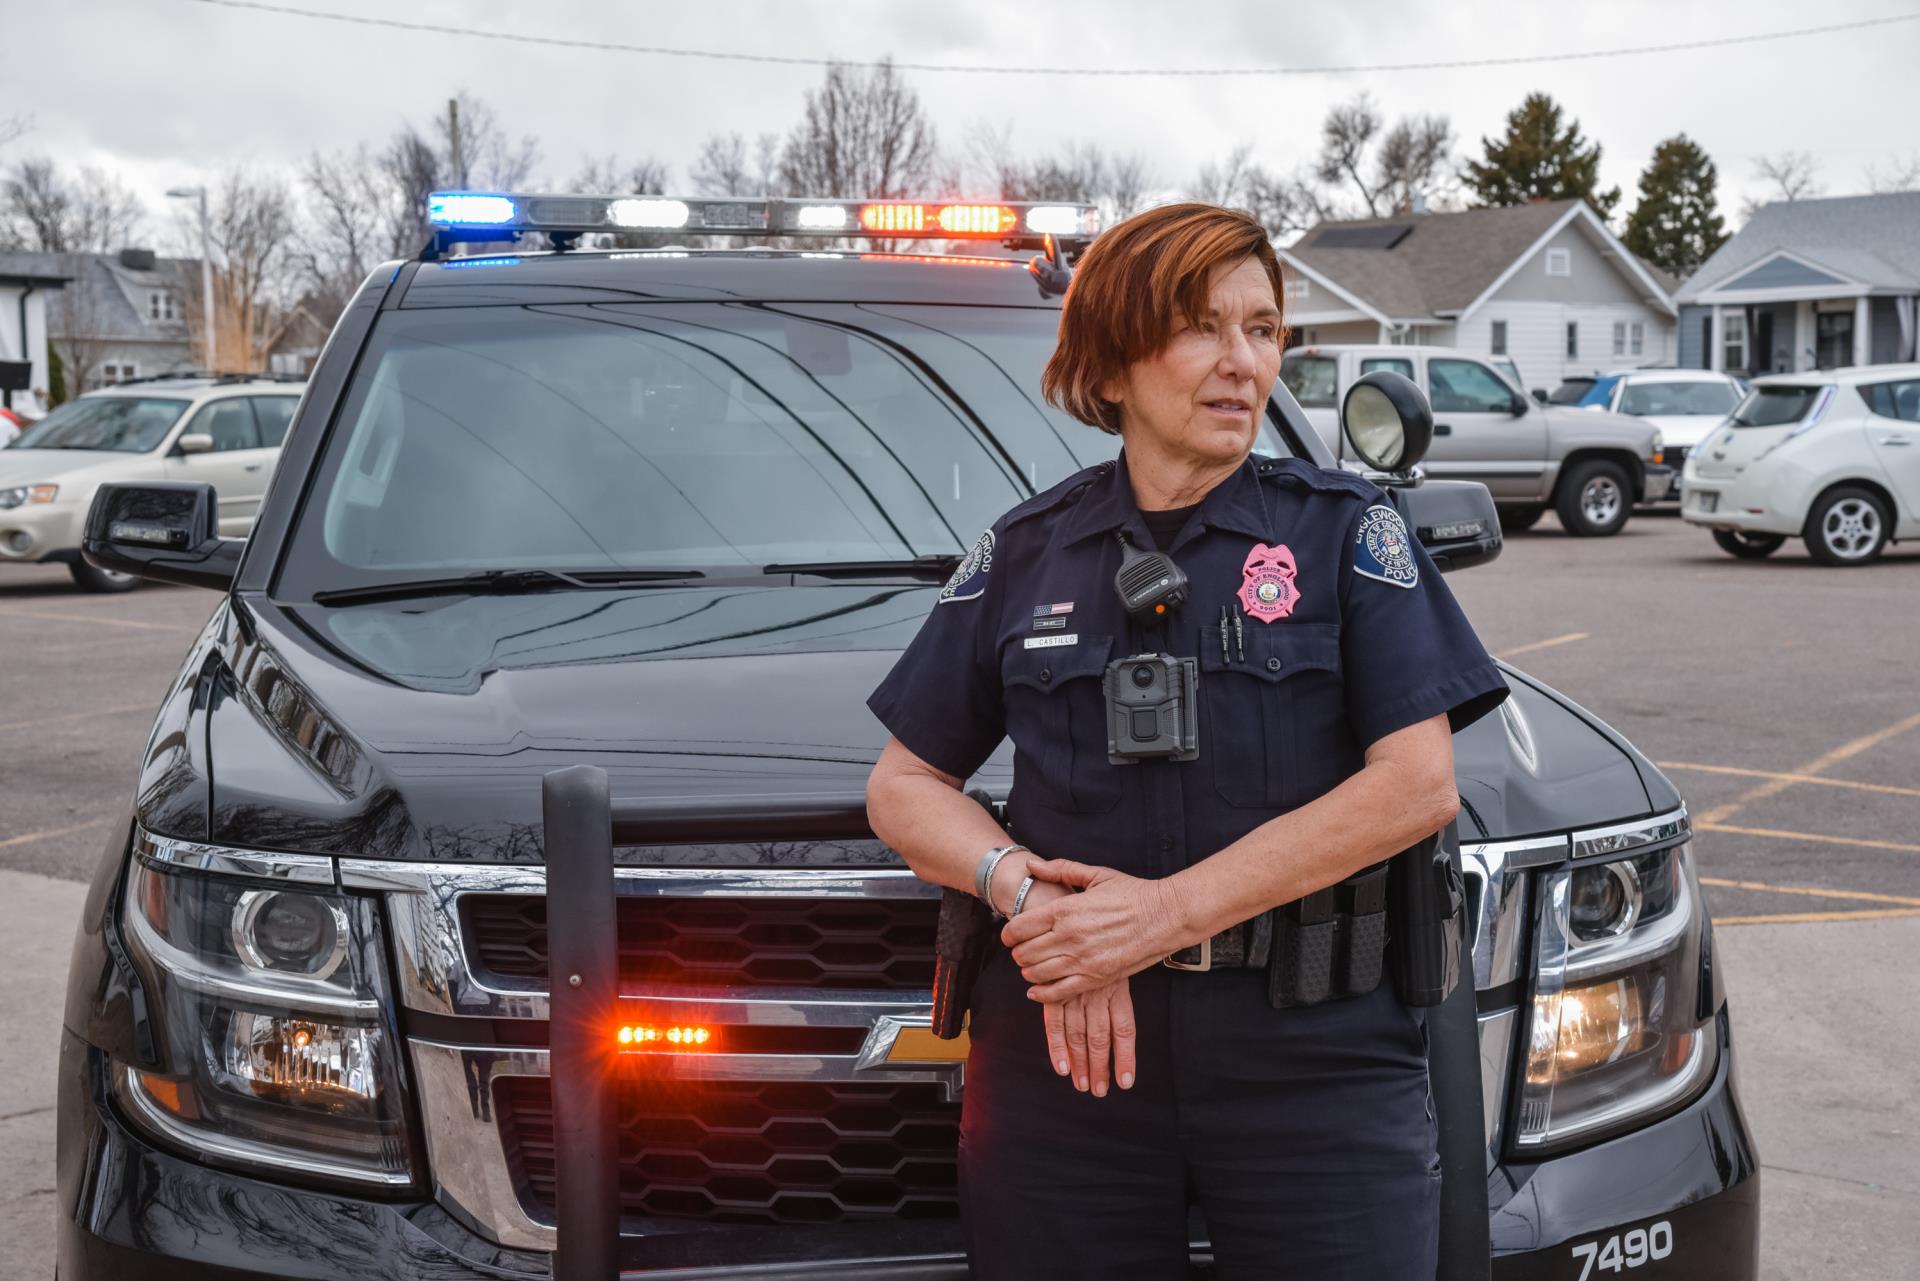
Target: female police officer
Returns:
[1182, 765]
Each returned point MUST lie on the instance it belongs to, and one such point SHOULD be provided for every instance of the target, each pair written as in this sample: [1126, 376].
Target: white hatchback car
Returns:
[1832, 457]
[224, 431]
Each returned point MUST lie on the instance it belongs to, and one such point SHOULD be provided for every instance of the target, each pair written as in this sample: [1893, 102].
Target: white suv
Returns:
[1685, 404]
[224, 431]
[1832, 456]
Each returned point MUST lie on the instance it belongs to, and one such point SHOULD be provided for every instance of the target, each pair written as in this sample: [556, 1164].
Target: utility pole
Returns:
[206, 276]
[453, 143]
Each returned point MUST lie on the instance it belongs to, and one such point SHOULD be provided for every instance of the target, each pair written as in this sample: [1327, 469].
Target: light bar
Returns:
[493, 213]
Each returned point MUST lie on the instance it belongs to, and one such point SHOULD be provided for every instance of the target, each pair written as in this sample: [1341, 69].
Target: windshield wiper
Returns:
[504, 580]
[937, 566]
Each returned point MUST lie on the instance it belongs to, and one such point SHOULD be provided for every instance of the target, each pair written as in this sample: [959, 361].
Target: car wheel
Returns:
[1595, 499]
[1848, 527]
[1748, 546]
[101, 580]
[1515, 519]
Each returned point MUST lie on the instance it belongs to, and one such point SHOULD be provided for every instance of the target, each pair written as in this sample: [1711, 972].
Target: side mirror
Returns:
[1520, 405]
[1540, 394]
[1387, 420]
[168, 531]
[194, 442]
[1455, 520]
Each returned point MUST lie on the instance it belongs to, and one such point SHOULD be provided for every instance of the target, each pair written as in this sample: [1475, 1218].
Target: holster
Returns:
[961, 940]
[1427, 916]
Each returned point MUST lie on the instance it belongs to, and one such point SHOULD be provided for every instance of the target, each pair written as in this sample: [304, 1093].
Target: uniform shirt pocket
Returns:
[1056, 717]
[1270, 715]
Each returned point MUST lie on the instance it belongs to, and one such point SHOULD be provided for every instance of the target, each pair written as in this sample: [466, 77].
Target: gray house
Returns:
[1808, 284]
[1547, 284]
[121, 316]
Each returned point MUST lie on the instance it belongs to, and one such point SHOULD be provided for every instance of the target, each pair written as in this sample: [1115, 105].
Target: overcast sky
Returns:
[165, 92]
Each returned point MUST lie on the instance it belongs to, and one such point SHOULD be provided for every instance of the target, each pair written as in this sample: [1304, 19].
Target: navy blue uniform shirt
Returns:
[1338, 631]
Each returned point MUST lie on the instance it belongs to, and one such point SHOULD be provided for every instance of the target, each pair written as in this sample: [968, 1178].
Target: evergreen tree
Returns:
[1539, 159]
[1676, 226]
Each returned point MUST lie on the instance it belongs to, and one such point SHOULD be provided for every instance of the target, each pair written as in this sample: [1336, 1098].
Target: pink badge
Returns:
[1268, 591]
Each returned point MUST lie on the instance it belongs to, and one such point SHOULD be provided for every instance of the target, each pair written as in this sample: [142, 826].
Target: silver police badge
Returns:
[970, 575]
[1382, 550]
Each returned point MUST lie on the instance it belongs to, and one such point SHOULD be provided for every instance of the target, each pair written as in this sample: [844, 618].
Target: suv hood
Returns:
[1571, 426]
[702, 694]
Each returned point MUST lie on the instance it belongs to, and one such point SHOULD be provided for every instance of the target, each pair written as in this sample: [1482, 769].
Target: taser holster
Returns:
[1427, 915]
[961, 940]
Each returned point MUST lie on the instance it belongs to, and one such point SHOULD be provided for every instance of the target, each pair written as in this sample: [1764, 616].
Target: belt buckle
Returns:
[1206, 958]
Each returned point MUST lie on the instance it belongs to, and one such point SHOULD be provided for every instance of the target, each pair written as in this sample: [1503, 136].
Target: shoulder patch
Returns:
[1382, 550]
[970, 575]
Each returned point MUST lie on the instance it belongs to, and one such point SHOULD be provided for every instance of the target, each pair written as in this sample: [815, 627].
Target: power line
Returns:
[728, 55]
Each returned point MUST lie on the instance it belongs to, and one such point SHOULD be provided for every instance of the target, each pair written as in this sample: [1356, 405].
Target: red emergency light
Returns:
[953, 220]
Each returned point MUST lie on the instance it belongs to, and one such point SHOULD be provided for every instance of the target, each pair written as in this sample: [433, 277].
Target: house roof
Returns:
[105, 298]
[1420, 267]
[1871, 240]
[21, 268]
[1442, 262]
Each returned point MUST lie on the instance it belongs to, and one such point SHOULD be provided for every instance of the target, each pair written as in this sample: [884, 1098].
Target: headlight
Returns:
[22, 495]
[1617, 1032]
[276, 1044]
[1659, 449]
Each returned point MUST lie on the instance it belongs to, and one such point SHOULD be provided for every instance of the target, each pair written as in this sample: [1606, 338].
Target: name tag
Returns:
[1053, 642]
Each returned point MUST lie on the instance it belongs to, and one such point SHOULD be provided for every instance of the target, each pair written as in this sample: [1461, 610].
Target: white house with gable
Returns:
[1546, 284]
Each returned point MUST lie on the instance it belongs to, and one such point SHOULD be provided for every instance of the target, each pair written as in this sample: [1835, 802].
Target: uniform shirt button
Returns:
[1273, 664]
[1046, 673]
[1166, 843]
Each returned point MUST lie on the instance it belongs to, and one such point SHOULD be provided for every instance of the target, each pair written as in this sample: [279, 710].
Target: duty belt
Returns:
[1327, 945]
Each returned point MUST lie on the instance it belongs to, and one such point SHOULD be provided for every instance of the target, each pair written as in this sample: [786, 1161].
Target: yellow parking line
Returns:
[1814, 837]
[51, 832]
[93, 618]
[75, 716]
[1518, 650]
[1887, 788]
[1794, 918]
[1862, 895]
[1818, 765]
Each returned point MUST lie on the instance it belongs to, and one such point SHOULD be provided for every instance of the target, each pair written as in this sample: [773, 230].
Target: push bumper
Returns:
[130, 1210]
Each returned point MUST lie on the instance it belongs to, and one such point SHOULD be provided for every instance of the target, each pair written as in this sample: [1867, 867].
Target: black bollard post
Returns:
[583, 977]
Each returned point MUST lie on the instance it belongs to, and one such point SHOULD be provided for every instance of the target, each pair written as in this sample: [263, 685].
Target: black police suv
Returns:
[674, 514]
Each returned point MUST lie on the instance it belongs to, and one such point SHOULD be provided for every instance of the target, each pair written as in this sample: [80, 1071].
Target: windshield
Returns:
[1678, 398]
[1775, 406]
[123, 424]
[1313, 380]
[708, 436]
[1570, 391]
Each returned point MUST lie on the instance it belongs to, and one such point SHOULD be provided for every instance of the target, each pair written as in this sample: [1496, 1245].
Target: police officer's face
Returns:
[1202, 396]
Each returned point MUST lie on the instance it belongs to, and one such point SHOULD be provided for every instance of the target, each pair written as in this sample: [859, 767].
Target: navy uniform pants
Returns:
[1305, 1137]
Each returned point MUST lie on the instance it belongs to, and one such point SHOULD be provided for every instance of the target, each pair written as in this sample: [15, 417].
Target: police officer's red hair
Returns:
[1129, 288]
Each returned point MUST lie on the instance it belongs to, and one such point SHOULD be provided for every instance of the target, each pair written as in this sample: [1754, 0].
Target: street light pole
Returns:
[206, 275]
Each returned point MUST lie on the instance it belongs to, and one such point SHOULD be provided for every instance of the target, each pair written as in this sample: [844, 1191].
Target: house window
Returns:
[1499, 337]
[1733, 340]
[119, 371]
[1619, 337]
[1639, 337]
[1296, 290]
[163, 304]
[1559, 262]
[1573, 339]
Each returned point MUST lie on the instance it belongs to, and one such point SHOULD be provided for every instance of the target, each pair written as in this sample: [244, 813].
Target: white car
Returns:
[1832, 457]
[225, 431]
[1685, 404]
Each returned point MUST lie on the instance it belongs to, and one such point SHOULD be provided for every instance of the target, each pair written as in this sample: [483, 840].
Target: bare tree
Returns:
[1345, 135]
[14, 127]
[475, 150]
[76, 313]
[1284, 205]
[861, 133]
[726, 166]
[1412, 168]
[1901, 174]
[43, 209]
[1787, 175]
[256, 281]
[353, 225]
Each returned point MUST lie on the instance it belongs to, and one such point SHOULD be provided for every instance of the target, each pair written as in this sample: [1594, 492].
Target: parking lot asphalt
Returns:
[1782, 697]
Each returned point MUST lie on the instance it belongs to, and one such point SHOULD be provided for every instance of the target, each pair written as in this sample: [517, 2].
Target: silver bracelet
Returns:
[1020, 897]
[983, 874]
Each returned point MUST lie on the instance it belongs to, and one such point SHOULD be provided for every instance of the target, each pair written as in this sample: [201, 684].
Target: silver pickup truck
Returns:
[1590, 467]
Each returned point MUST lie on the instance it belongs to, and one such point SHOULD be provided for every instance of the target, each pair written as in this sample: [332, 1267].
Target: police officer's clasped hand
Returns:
[1115, 926]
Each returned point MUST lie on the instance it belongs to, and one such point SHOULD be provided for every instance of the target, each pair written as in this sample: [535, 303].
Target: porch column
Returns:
[1803, 337]
[1862, 343]
[1716, 343]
